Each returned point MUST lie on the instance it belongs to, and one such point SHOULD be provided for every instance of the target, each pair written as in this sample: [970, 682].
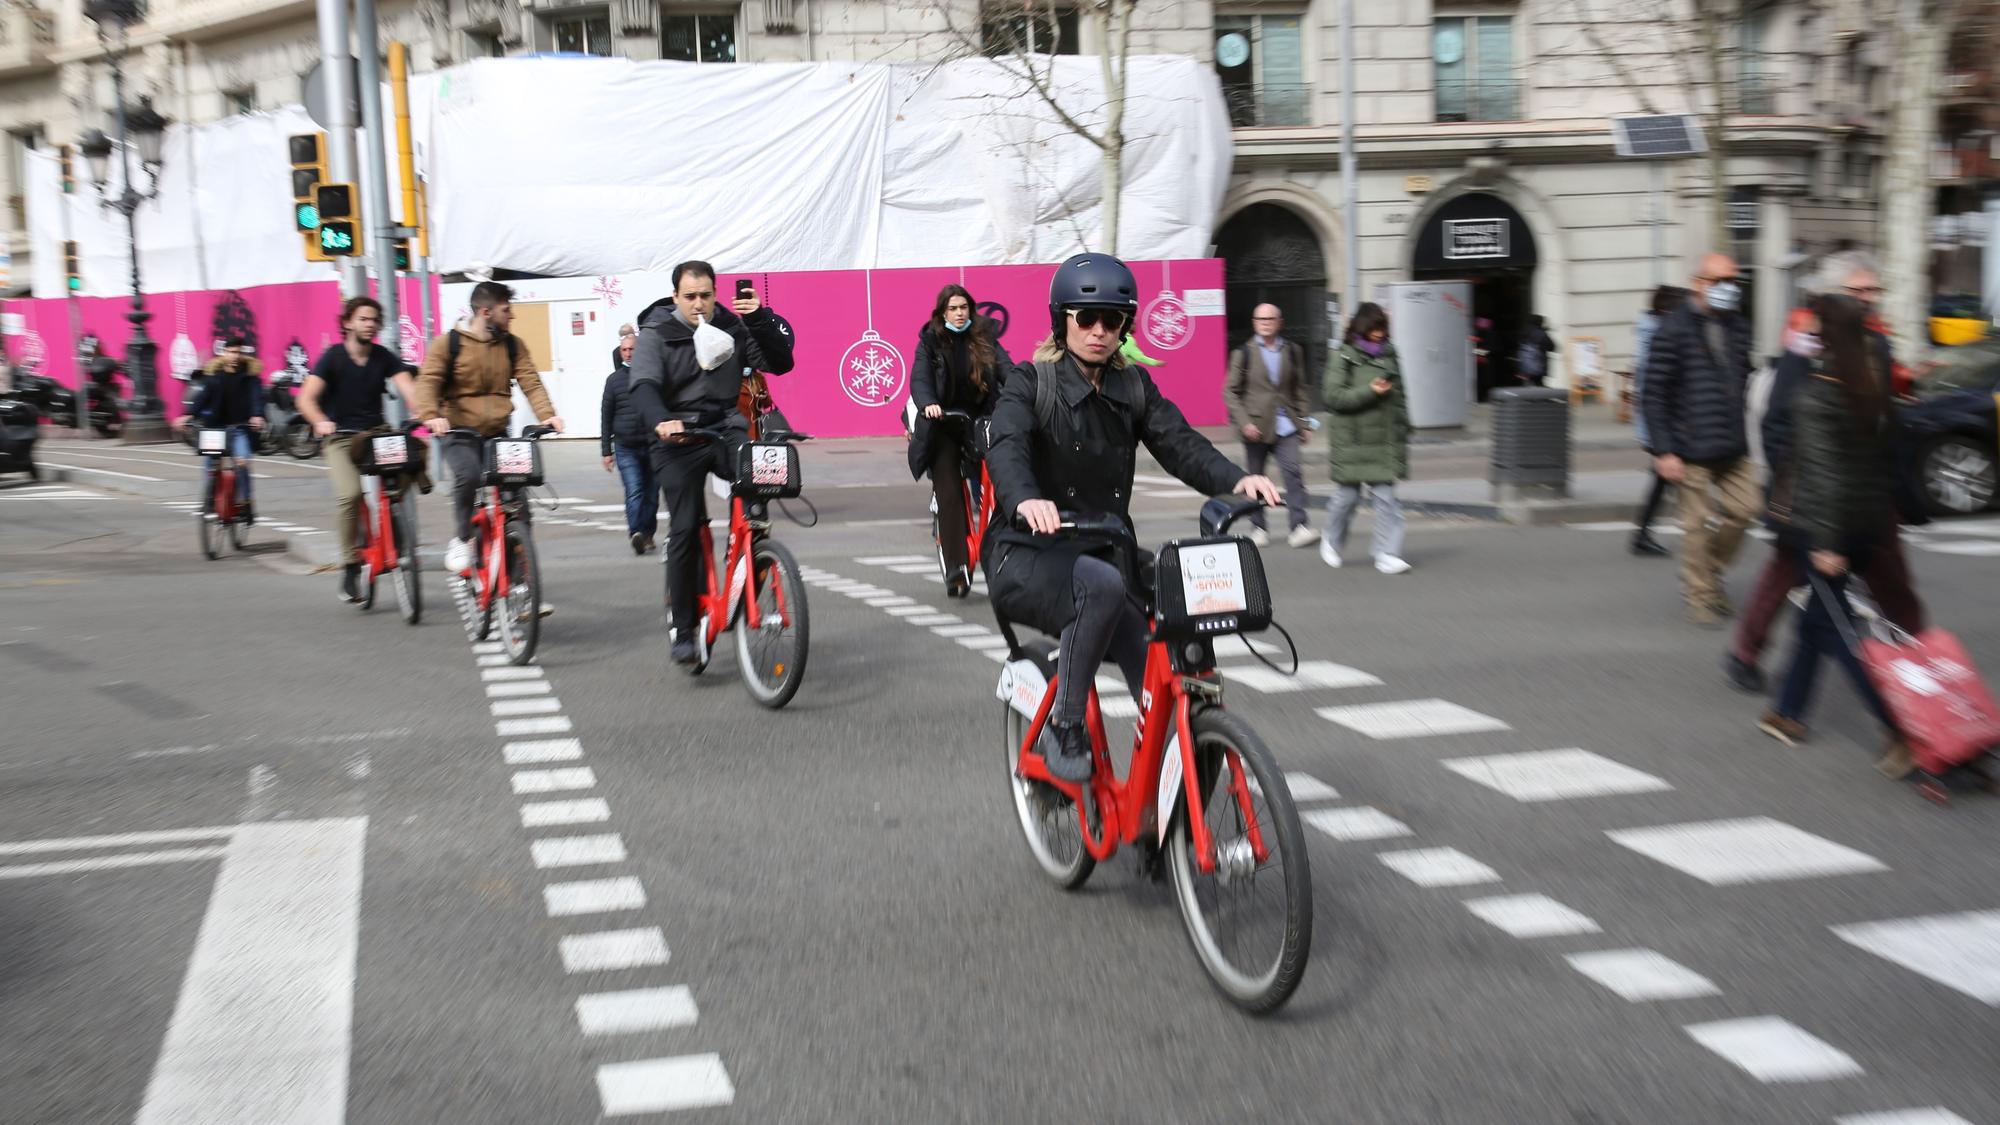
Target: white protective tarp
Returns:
[572, 167]
[583, 167]
[222, 218]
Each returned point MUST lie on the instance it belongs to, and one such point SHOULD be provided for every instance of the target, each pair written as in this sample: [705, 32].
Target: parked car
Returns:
[1953, 430]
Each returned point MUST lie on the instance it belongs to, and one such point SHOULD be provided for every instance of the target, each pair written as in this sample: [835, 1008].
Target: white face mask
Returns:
[1725, 296]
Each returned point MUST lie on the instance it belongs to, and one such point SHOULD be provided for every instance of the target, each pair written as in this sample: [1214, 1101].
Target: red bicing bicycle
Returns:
[977, 484]
[505, 580]
[1201, 788]
[763, 598]
[386, 529]
[222, 515]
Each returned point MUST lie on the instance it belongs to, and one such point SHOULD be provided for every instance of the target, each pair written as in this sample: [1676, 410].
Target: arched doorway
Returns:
[1480, 238]
[1271, 255]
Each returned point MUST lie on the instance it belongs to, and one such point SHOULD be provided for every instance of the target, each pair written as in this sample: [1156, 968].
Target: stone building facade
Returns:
[1488, 112]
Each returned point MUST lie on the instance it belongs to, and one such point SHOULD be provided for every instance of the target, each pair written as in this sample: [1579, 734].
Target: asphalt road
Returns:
[266, 858]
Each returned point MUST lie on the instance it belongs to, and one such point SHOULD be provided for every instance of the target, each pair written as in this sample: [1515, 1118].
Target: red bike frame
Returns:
[717, 605]
[222, 490]
[1123, 804]
[489, 571]
[380, 552]
[978, 518]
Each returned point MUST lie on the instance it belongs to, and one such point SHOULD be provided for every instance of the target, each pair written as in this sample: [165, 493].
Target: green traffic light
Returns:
[75, 283]
[308, 217]
[334, 239]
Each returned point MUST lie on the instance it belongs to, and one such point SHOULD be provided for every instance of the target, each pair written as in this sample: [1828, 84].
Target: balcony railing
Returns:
[1479, 100]
[1269, 104]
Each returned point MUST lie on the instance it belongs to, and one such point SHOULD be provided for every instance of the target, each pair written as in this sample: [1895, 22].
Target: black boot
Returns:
[1644, 545]
[350, 583]
[1066, 749]
[960, 583]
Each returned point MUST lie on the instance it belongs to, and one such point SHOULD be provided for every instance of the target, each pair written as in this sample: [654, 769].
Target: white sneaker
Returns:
[1390, 564]
[1259, 536]
[1302, 536]
[1327, 554]
[458, 556]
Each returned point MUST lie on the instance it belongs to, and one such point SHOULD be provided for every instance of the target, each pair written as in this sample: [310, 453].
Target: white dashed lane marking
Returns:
[1554, 775]
[1356, 824]
[634, 1010]
[553, 781]
[1531, 916]
[1959, 951]
[542, 750]
[1410, 718]
[1725, 853]
[577, 851]
[550, 814]
[658, 1085]
[543, 724]
[1438, 867]
[1771, 1049]
[1642, 974]
[594, 896]
[1312, 674]
[613, 950]
[1933, 1115]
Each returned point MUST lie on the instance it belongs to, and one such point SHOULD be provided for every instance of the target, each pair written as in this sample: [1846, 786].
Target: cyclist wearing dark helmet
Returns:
[1065, 438]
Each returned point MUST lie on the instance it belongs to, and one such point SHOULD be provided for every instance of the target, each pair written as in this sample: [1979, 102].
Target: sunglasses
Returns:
[1113, 320]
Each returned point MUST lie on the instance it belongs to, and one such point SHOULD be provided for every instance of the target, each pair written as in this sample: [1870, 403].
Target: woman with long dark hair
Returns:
[959, 366]
[1832, 504]
[1368, 438]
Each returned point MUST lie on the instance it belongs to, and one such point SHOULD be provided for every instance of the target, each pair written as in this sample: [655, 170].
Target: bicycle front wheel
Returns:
[409, 572]
[1250, 919]
[1049, 819]
[211, 536]
[364, 534]
[773, 655]
[521, 615]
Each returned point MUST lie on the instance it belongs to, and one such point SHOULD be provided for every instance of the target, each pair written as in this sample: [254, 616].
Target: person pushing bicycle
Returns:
[1065, 439]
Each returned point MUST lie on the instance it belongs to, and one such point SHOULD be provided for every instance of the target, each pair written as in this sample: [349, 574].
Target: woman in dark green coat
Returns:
[1368, 438]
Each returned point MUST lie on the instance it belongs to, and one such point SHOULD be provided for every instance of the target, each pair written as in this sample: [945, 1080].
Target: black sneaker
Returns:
[638, 542]
[684, 652]
[1645, 546]
[1743, 675]
[1066, 749]
[960, 584]
[350, 583]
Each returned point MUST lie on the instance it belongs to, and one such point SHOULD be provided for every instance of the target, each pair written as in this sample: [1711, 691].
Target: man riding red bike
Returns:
[1065, 438]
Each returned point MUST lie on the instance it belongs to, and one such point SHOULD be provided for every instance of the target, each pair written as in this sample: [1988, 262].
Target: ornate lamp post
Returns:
[145, 129]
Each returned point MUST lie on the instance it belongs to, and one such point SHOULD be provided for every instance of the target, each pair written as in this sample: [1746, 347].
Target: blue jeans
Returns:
[239, 448]
[1820, 635]
[642, 490]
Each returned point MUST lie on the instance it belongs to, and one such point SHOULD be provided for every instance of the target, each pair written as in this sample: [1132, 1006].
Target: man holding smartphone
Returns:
[682, 377]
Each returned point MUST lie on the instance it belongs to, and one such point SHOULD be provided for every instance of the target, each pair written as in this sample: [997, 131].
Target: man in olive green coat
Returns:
[1368, 439]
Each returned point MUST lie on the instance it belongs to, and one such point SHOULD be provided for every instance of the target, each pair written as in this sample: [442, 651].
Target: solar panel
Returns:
[1665, 134]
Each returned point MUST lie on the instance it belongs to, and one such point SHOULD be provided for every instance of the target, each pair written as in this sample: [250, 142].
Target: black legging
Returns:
[948, 485]
[1651, 507]
[1106, 623]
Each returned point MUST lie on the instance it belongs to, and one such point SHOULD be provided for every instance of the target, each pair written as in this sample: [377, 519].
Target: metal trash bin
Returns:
[1530, 445]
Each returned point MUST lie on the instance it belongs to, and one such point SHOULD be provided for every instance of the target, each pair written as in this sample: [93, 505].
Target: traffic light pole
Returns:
[340, 145]
[379, 220]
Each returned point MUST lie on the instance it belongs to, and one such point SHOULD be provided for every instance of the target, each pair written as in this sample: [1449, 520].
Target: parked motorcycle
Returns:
[104, 406]
[20, 428]
[284, 427]
[49, 398]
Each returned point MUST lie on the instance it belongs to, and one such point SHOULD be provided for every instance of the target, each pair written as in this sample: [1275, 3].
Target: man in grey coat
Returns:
[1266, 396]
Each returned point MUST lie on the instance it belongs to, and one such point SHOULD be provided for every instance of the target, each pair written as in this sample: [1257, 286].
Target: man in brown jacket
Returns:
[1267, 405]
[475, 391]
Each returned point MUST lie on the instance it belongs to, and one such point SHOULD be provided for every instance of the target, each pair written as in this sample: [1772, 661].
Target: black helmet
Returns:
[1092, 281]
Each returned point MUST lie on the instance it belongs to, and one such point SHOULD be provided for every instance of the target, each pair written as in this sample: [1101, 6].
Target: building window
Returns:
[583, 35]
[20, 143]
[1474, 61]
[1261, 61]
[708, 37]
[485, 45]
[1756, 78]
[1015, 31]
[240, 101]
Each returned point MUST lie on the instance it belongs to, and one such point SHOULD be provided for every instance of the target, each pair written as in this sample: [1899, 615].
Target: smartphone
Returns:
[744, 290]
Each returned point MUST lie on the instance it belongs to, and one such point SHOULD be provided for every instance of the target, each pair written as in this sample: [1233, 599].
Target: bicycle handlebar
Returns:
[711, 434]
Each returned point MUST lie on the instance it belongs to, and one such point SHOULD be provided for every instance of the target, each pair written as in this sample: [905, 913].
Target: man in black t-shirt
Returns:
[344, 392]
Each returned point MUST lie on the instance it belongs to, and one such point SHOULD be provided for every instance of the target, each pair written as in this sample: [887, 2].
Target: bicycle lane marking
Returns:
[587, 889]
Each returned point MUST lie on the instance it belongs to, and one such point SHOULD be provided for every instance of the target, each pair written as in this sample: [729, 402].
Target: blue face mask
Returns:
[957, 327]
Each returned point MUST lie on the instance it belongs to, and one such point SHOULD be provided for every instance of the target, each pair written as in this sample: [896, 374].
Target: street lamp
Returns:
[145, 129]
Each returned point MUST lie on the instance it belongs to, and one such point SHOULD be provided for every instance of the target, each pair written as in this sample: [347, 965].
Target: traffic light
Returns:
[402, 254]
[307, 152]
[70, 269]
[68, 171]
[339, 221]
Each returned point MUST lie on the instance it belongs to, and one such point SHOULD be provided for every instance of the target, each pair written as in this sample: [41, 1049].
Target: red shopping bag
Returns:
[1934, 693]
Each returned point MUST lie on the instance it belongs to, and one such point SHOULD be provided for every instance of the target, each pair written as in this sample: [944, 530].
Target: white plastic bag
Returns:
[712, 346]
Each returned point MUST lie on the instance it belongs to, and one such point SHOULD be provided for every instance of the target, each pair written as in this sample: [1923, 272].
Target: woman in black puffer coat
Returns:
[959, 366]
[1832, 504]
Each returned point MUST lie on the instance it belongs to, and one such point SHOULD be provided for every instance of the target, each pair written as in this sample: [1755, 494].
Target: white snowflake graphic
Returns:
[1170, 321]
[610, 289]
[874, 371]
[1167, 322]
[871, 371]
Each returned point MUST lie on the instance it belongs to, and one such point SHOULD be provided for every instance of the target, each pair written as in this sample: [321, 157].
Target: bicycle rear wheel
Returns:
[409, 572]
[1250, 920]
[773, 656]
[211, 537]
[521, 615]
[1049, 820]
